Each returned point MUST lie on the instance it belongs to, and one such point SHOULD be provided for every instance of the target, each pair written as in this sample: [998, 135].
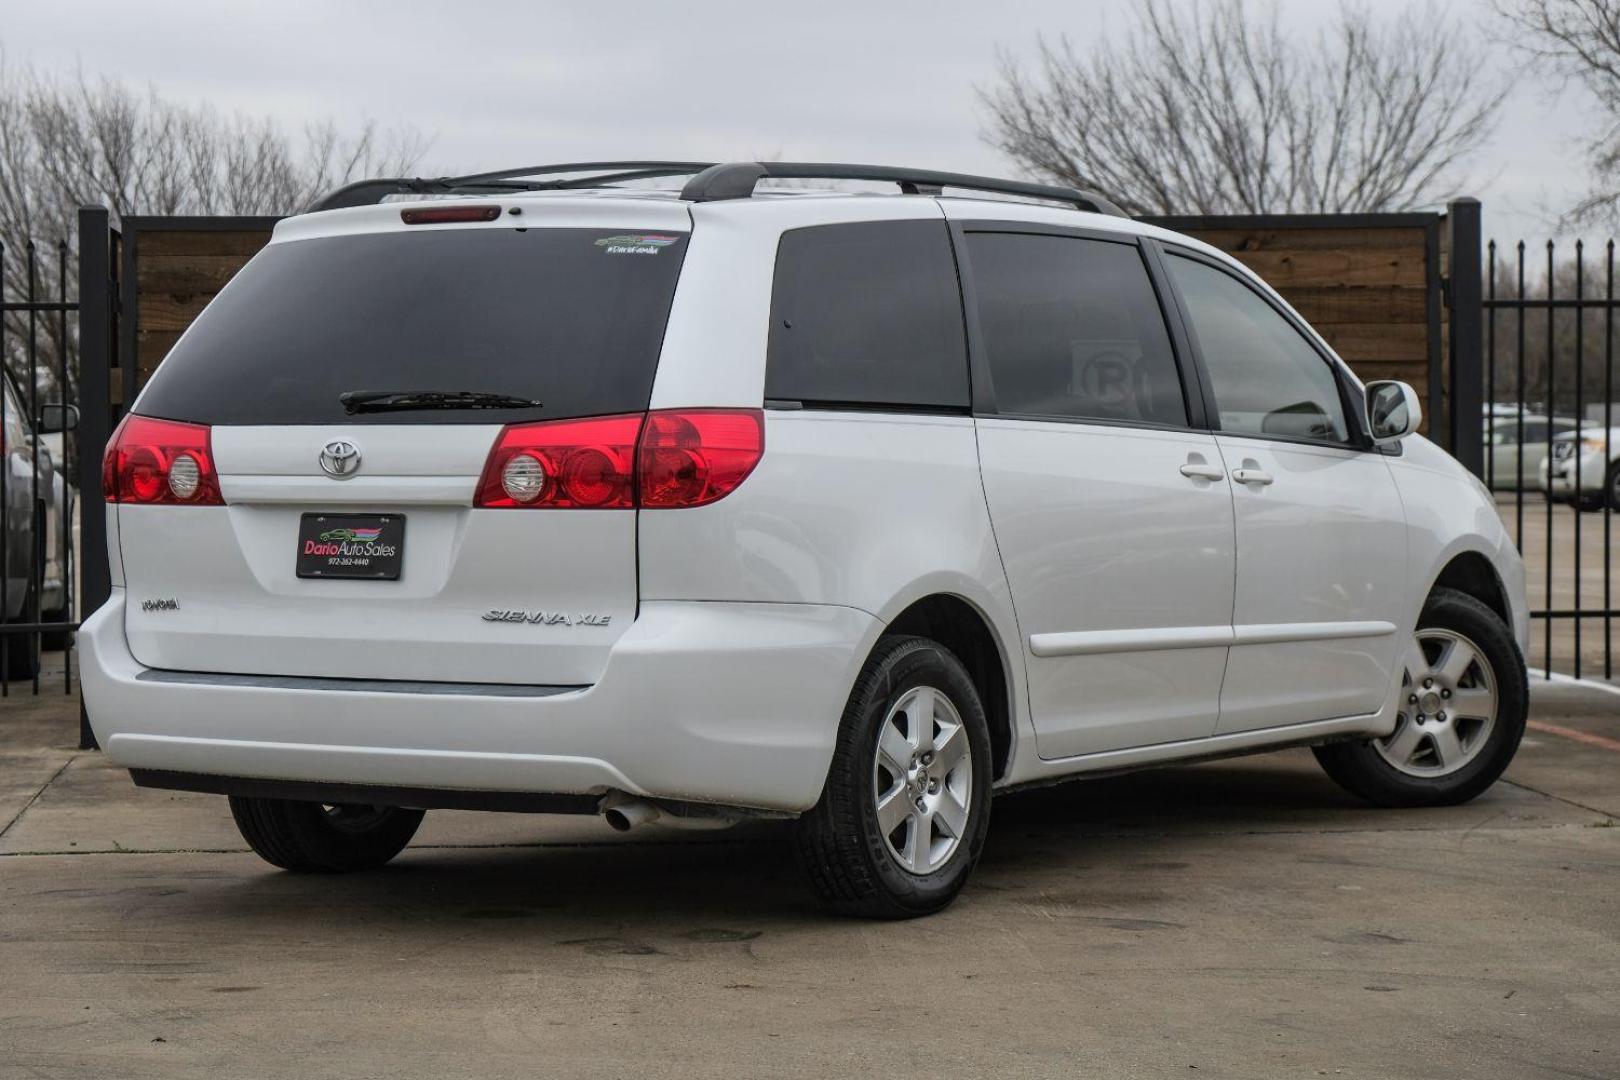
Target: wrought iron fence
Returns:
[1551, 451]
[37, 496]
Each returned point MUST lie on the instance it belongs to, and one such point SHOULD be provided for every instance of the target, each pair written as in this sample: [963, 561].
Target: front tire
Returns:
[313, 838]
[1464, 700]
[906, 805]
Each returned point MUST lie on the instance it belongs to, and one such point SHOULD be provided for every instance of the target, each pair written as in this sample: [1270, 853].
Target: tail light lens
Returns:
[160, 462]
[563, 464]
[691, 457]
[664, 460]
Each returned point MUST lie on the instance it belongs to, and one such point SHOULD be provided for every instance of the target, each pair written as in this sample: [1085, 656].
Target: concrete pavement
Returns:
[1241, 919]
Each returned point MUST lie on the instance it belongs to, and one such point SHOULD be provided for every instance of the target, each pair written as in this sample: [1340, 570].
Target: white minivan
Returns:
[536, 491]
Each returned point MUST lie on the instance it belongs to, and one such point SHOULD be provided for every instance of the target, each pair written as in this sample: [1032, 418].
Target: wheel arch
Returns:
[963, 627]
[1472, 572]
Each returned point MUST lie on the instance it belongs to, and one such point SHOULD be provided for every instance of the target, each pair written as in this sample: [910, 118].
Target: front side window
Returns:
[1072, 329]
[867, 314]
[1267, 378]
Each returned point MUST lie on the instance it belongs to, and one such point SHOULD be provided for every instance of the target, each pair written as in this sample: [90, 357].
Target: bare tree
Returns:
[68, 142]
[1214, 109]
[1580, 39]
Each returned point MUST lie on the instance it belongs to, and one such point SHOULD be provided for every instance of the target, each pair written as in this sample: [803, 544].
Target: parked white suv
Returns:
[846, 508]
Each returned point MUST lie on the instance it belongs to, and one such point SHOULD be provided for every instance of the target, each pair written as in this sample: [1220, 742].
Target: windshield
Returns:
[570, 318]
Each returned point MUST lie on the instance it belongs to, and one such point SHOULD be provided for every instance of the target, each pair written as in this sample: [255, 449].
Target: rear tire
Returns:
[310, 837]
[1466, 673]
[906, 805]
[1611, 489]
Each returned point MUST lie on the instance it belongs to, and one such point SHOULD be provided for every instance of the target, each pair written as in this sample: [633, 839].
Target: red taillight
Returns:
[160, 462]
[439, 215]
[563, 464]
[689, 457]
[668, 459]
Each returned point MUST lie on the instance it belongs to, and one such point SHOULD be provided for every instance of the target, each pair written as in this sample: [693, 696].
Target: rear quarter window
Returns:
[573, 318]
[867, 314]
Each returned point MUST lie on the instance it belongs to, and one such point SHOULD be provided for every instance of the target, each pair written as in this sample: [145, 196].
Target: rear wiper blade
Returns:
[362, 401]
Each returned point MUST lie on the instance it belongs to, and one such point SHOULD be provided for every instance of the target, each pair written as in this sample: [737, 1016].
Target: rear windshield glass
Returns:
[572, 318]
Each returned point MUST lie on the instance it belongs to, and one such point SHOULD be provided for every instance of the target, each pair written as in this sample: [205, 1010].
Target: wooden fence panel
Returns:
[175, 267]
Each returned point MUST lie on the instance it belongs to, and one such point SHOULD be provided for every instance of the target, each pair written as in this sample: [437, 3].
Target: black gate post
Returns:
[1466, 385]
[96, 340]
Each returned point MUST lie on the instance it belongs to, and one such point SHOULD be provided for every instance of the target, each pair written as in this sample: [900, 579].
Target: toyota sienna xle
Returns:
[534, 491]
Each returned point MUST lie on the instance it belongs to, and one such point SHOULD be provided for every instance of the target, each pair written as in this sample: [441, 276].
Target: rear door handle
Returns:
[1195, 471]
[1257, 477]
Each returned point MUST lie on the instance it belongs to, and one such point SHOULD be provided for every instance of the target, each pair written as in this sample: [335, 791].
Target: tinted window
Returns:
[867, 314]
[560, 316]
[1072, 328]
[1267, 378]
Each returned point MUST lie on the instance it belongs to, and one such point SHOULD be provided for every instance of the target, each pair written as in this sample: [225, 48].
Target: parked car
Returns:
[31, 532]
[1585, 470]
[1509, 446]
[845, 508]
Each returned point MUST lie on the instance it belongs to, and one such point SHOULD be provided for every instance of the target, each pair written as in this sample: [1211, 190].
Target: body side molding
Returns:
[1095, 642]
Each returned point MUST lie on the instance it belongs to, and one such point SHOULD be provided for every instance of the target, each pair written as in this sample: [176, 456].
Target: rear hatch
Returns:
[564, 308]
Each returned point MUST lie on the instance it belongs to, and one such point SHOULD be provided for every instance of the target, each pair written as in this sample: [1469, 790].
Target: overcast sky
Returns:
[507, 82]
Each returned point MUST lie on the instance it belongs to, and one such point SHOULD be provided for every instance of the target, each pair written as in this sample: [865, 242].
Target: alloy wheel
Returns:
[1448, 706]
[922, 780]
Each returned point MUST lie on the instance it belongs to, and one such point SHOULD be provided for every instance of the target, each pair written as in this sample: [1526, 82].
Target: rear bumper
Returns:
[734, 704]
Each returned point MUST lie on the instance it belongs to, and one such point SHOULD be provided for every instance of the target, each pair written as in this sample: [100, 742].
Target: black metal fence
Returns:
[1550, 448]
[38, 327]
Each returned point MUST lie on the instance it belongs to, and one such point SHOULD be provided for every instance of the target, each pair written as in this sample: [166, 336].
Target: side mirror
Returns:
[1393, 411]
[55, 417]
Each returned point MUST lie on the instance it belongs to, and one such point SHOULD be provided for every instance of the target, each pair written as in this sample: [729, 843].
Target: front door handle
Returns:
[1198, 471]
[1257, 477]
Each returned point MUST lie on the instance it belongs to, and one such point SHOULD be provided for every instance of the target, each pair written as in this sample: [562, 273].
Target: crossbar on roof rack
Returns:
[709, 182]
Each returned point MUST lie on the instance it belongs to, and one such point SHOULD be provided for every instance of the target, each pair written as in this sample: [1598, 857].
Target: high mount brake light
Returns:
[439, 215]
[160, 462]
[666, 459]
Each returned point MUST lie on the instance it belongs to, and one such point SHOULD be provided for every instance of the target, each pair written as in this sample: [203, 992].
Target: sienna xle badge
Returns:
[691, 506]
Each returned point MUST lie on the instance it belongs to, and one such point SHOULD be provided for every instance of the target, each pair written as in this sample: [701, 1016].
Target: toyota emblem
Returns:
[340, 459]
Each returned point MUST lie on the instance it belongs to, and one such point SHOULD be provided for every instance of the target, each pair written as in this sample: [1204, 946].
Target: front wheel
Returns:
[312, 837]
[1463, 704]
[907, 800]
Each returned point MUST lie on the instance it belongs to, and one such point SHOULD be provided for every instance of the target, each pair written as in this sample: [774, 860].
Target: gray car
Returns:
[37, 563]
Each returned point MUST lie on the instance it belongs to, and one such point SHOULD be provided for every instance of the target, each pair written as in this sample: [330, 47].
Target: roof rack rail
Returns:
[736, 180]
[368, 192]
[710, 182]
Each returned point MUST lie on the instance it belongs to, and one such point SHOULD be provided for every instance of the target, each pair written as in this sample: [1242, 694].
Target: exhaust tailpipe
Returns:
[624, 813]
